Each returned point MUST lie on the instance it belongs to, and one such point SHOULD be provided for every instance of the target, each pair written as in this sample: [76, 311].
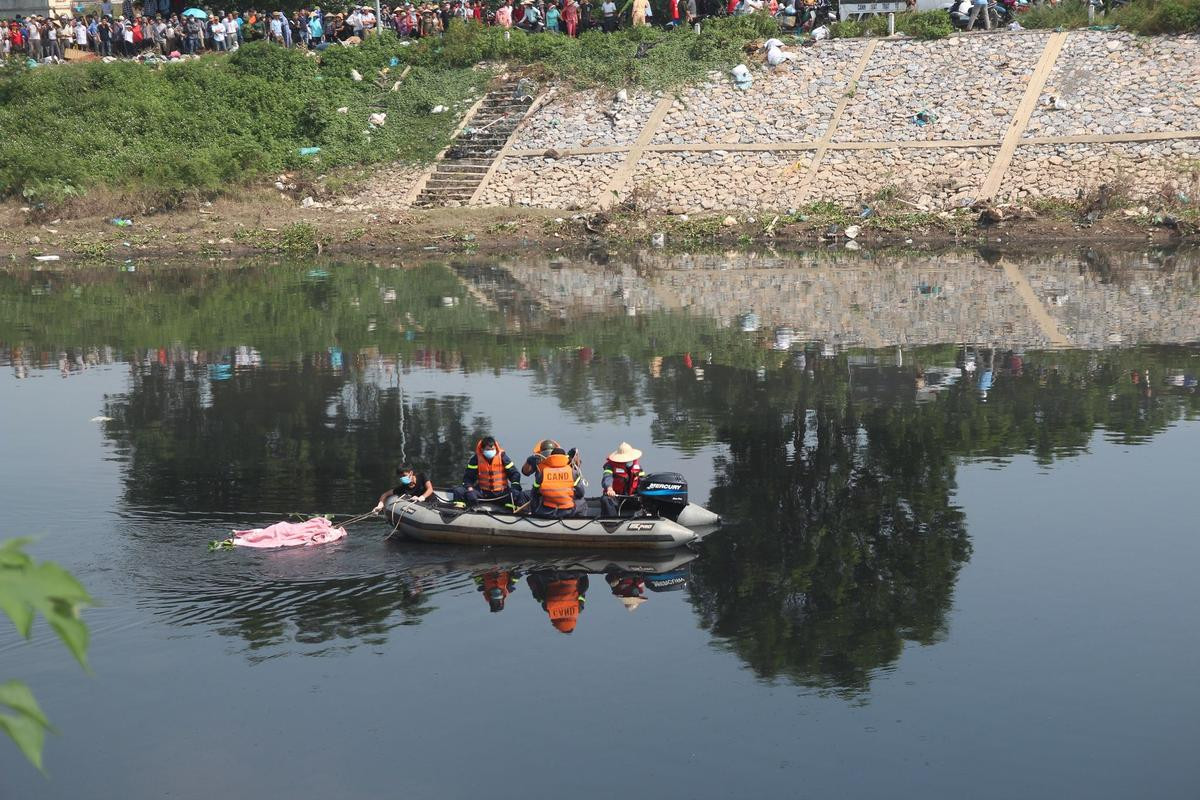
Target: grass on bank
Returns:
[1147, 17]
[211, 124]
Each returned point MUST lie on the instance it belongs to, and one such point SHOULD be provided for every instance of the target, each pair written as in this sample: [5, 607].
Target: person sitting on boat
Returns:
[558, 487]
[541, 452]
[413, 485]
[496, 586]
[490, 477]
[622, 471]
[562, 595]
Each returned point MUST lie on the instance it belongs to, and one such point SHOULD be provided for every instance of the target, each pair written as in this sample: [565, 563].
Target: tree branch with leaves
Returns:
[29, 588]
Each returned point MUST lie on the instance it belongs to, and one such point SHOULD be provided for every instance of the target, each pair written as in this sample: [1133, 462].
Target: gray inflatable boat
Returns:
[664, 520]
[489, 525]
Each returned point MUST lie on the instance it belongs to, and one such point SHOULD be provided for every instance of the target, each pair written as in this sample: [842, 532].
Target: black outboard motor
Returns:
[663, 494]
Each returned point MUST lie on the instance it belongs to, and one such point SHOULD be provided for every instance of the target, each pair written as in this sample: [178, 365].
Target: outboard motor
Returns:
[663, 494]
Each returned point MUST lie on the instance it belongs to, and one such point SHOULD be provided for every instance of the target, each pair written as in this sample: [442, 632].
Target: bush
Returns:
[926, 24]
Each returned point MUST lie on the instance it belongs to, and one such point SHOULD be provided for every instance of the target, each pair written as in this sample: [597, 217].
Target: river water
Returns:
[959, 557]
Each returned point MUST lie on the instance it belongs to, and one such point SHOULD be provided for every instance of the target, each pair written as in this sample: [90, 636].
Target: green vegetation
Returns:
[919, 24]
[1140, 16]
[644, 56]
[211, 124]
[28, 588]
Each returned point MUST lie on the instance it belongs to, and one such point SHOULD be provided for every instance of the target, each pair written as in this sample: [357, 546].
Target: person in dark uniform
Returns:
[411, 484]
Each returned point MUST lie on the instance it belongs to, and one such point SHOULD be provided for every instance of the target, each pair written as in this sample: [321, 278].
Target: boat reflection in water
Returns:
[558, 583]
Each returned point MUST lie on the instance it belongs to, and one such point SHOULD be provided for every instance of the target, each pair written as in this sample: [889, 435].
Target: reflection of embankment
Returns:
[912, 298]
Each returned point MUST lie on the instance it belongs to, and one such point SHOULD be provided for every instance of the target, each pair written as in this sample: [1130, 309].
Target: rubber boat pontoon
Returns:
[665, 520]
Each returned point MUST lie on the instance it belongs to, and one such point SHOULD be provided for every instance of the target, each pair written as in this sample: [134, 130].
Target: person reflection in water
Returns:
[561, 593]
[411, 484]
[628, 587]
[496, 586]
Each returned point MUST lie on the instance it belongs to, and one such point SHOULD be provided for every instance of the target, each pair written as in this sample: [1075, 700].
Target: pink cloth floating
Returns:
[290, 534]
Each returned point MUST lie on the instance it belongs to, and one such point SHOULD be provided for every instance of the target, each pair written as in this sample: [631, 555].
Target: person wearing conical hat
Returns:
[628, 587]
[622, 471]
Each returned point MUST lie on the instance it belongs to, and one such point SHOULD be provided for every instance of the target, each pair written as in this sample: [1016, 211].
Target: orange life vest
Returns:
[556, 482]
[563, 604]
[496, 580]
[493, 474]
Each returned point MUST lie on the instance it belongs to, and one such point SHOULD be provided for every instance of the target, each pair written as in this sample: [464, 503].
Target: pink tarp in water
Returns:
[290, 534]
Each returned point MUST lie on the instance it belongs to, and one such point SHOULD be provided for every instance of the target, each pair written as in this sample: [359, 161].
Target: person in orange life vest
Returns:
[622, 471]
[562, 595]
[496, 586]
[411, 483]
[542, 451]
[628, 587]
[490, 476]
[558, 487]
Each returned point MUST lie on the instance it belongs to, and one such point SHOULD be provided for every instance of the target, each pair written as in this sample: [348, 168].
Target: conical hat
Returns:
[631, 603]
[625, 453]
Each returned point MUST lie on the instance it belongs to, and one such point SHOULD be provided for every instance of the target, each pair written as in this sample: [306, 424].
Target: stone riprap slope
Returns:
[1108, 84]
[1014, 115]
[970, 86]
[909, 299]
[792, 103]
[587, 119]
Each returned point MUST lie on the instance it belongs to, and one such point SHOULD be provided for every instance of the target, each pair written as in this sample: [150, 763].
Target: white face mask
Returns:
[489, 454]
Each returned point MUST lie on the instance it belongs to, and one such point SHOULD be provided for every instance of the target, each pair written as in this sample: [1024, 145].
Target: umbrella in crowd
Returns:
[196, 12]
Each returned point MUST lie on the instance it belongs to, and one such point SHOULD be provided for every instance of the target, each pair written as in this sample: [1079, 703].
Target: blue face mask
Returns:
[406, 480]
[489, 454]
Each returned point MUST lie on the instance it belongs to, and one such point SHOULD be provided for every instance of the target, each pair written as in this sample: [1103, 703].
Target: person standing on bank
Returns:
[412, 484]
[622, 471]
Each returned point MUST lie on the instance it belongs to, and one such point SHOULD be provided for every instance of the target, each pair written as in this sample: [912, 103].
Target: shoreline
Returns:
[267, 224]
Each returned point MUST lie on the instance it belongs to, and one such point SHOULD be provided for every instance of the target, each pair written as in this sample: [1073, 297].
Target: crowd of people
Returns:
[162, 28]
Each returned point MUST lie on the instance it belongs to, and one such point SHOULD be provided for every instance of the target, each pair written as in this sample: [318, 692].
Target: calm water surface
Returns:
[957, 563]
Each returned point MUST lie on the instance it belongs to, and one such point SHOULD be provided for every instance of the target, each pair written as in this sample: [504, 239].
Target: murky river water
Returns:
[958, 562]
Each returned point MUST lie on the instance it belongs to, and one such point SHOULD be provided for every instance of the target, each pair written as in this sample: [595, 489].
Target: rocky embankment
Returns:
[1011, 116]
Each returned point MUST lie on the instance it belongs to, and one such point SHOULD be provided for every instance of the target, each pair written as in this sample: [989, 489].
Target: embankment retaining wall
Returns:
[1014, 116]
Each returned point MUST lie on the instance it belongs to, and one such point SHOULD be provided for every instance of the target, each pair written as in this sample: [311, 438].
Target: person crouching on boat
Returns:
[558, 487]
[622, 471]
[561, 594]
[496, 586]
[412, 484]
[490, 477]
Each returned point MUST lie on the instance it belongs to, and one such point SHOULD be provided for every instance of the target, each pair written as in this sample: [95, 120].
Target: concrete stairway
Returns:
[471, 153]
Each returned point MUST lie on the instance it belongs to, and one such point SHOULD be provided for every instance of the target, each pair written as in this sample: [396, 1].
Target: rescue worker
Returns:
[412, 484]
[562, 595]
[496, 586]
[558, 487]
[541, 451]
[628, 587]
[490, 476]
[622, 471]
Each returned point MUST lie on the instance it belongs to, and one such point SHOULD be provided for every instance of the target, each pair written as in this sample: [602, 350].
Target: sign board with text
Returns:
[848, 10]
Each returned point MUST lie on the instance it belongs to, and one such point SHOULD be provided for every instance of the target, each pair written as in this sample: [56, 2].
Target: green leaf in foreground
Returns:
[28, 588]
[23, 720]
